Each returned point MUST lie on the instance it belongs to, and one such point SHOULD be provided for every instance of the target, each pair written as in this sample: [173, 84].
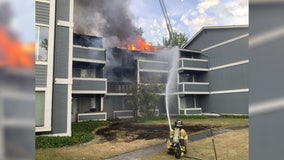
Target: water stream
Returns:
[173, 56]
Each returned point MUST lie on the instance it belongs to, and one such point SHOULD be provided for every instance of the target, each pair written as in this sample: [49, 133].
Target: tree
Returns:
[178, 39]
[144, 98]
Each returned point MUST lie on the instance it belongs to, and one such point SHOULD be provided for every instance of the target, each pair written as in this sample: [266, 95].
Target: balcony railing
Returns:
[153, 66]
[99, 116]
[119, 87]
[89, 54]
[122, 114]
[193, 88]
[193, 64]
[89, 86]
[191, 111]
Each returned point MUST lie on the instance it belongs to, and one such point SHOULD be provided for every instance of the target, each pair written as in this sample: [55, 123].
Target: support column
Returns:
[63, 54]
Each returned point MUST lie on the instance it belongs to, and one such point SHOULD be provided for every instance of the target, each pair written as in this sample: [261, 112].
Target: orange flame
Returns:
[14, 54]
[140, 45]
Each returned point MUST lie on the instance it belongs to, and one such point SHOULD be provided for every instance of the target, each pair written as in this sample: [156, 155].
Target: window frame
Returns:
[48, 89]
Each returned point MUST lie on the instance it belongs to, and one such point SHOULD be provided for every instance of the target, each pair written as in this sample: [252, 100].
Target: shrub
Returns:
[82, 132]
[234, 116]
[190, 117]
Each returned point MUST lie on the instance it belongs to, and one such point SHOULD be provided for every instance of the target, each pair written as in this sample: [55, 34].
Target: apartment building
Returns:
[89, 86]
[126, 68]
[214, 76]
[53, 69]
[77, 79]
[266, 106]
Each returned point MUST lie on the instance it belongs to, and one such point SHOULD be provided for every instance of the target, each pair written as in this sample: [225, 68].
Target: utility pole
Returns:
[212, 136]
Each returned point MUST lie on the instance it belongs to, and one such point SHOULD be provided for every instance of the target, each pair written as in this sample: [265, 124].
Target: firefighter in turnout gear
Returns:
[178, 140]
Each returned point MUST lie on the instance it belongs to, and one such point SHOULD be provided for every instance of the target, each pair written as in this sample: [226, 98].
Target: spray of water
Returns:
[173, 55]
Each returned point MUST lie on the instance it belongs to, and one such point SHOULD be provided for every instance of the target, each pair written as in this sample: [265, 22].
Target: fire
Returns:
[14, 54]
[140, 45]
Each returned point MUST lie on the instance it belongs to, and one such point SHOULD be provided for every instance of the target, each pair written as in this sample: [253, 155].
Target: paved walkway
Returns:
[141, 153]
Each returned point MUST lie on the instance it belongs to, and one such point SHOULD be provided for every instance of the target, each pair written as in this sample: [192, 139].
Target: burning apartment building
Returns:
[88, 57]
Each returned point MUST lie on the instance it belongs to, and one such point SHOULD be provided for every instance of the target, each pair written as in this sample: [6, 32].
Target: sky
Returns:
[186, 16]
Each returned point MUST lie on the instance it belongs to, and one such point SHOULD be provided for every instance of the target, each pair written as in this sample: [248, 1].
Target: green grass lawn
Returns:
[84, 132]
[229, 146]
[222, 122]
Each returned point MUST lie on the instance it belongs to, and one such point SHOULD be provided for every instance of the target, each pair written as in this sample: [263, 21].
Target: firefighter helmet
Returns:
[178, 123]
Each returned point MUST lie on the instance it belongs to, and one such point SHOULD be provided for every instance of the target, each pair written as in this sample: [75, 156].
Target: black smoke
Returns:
[110, 19]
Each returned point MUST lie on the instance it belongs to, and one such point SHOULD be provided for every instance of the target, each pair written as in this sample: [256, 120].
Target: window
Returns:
[40, 107]
[41, 43]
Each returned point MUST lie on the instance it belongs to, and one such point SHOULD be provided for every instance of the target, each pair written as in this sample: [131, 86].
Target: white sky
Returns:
[187, 16]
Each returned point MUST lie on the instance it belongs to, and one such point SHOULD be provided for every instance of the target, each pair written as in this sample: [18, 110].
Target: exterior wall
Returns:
[45, 18]
[173, 105]
[42, 12]
[187, 101]
[162, 105]
[84, 104]
[266, 107]
[210, 36]
[229, 73]
[235, 51]
[63, 9]
[115, 103]
[227, 54]
[61, 113]
[230, 103]
[230, 78]
[41, 75]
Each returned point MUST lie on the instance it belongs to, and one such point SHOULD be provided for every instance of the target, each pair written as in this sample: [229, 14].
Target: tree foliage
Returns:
[145, 98]
[178, 39]
[44, 43]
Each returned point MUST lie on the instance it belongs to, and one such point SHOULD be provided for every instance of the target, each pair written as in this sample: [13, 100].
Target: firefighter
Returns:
[177, 135]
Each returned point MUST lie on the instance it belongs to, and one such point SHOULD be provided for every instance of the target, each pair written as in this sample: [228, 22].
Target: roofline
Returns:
[189, 50]
[265, 1]
[213, 27]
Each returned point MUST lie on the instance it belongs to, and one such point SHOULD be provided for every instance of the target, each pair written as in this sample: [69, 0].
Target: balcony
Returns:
[122, 114]
[193, 88]
[193, 64]
[152, 66]
[89, 86]
[191, 111]
[89, 54]
[119, 87]
[97, 116]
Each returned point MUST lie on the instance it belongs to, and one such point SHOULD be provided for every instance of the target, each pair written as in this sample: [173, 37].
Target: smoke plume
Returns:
[110, 19]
